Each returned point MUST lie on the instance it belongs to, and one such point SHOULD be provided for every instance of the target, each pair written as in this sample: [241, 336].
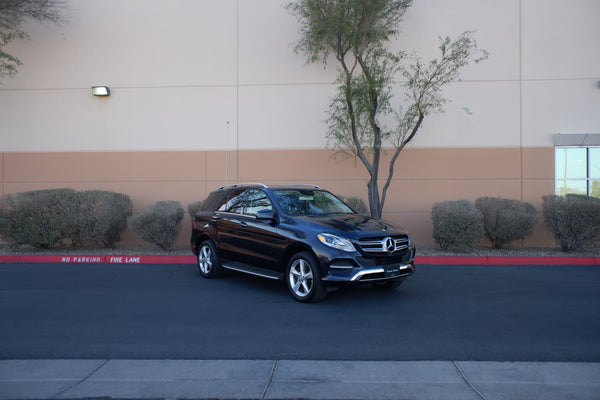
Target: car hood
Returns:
[355, 225]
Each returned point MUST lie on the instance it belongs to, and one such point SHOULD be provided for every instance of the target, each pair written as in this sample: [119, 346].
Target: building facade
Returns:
[205, 93]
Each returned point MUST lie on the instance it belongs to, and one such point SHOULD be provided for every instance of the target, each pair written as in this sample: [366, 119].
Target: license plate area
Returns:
[391, 270]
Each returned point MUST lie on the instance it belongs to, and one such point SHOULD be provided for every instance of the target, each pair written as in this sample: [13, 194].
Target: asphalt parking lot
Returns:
[161, 331]
[470, 313]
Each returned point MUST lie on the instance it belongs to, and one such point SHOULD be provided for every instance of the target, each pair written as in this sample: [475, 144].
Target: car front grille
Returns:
[384, 245]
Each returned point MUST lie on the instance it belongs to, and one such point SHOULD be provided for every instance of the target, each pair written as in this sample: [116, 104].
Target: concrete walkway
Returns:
[286, 379]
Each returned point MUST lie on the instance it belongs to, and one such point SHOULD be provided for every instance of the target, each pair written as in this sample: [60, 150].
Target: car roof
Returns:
[263, 186]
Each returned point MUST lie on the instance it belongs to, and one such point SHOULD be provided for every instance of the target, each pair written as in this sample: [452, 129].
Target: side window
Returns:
[234, 202]
[214, 201]
[577, 170]
[257, 200]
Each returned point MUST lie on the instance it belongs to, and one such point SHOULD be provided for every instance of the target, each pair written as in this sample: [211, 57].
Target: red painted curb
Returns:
[543, 260]
[475, 260]
[437, 260]
[95, 259]
[451, 260]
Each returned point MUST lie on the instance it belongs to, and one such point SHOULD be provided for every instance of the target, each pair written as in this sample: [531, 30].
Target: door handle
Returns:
[243, 224]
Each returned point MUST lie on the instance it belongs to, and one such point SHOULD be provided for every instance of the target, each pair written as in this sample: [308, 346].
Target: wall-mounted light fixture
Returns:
[100, 90]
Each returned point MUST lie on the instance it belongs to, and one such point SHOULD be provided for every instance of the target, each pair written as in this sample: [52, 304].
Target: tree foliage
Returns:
[13, 14]
[362, 120]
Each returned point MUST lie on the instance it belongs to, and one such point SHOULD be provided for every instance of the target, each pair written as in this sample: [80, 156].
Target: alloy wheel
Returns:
[205, 260]
[301, 278]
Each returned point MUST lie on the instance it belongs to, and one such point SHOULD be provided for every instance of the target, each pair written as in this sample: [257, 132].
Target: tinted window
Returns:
[213, 201]
[257, 200]
[310, 202]
[234, 202]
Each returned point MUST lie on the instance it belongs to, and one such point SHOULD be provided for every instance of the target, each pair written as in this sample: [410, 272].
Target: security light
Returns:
[100, 90]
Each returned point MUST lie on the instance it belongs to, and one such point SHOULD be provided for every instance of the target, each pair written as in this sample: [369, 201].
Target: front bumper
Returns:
[363, 269]
[370, 274]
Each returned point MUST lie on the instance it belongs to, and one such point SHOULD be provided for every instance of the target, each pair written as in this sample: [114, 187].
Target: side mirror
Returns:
[265, 215]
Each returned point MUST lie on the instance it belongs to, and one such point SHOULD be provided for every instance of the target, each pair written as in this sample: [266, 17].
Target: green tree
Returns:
[362, 120]
[12, 15]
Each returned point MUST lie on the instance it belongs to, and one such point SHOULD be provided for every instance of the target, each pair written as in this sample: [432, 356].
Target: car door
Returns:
[261, 245]
[226, 221]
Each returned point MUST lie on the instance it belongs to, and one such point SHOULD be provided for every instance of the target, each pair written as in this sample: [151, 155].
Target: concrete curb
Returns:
[437, 260]
[296, 379]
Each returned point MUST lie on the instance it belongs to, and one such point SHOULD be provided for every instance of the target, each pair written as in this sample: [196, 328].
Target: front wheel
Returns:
[303, 278]
[208, 262]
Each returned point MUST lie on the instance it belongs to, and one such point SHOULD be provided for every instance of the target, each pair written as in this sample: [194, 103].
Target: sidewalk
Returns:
[285, 379]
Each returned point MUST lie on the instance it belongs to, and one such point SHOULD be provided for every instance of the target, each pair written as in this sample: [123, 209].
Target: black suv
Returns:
[301, 234]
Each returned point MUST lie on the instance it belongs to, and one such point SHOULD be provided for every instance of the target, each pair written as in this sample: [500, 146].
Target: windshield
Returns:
[310, 202]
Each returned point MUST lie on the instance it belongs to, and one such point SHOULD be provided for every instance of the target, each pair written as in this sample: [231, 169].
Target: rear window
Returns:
[213, 200]
[234, 203]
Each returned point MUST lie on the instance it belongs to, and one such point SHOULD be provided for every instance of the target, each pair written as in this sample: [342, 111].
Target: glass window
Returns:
[571, 187]
[310, 202]
[214, 201]
[594, 160]
[577, 170]
[571, 163]
[257, 201]
[234, 203]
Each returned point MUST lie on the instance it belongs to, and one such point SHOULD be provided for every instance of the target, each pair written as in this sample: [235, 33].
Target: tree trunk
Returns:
[375, 205]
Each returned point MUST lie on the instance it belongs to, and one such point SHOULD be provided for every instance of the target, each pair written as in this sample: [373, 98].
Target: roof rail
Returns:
[243, 185]
[246, 184]
[306, 184]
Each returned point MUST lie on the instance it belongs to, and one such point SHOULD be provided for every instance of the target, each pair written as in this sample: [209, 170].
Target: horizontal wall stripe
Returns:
[422, 176]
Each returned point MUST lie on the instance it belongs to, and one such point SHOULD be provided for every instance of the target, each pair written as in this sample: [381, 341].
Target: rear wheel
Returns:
[208, 263]
[303, 278]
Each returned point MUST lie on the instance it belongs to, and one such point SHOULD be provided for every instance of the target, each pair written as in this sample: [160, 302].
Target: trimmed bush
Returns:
[574, 220]
[40, 218]
[158, 224]
[53, 217]
[194, 207]
[457, 225]
[355, 203]
[506, 220]
[102, 217]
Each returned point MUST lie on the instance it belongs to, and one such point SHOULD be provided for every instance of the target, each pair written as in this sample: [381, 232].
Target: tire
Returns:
[303, 278]
[387, 285]
[208, 262]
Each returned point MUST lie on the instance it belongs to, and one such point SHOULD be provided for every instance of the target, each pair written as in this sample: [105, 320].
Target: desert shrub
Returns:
[457, 225]
[40, 218]
[356, 203]
[52, 217]
[574, 220]
[194, 207]
[506, 220]
[158, 224]
[101, 217]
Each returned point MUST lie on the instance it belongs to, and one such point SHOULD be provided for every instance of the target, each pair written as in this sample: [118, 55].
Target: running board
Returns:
[246, 269]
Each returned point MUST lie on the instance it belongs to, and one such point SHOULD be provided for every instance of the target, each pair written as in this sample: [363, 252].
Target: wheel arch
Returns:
[198, 239]
[297, 248]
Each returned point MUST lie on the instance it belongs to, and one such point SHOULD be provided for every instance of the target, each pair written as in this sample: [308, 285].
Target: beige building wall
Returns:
[423, 176]
[205, 93]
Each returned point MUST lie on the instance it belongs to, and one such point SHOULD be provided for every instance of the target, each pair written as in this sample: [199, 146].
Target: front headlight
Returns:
[336, 242]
